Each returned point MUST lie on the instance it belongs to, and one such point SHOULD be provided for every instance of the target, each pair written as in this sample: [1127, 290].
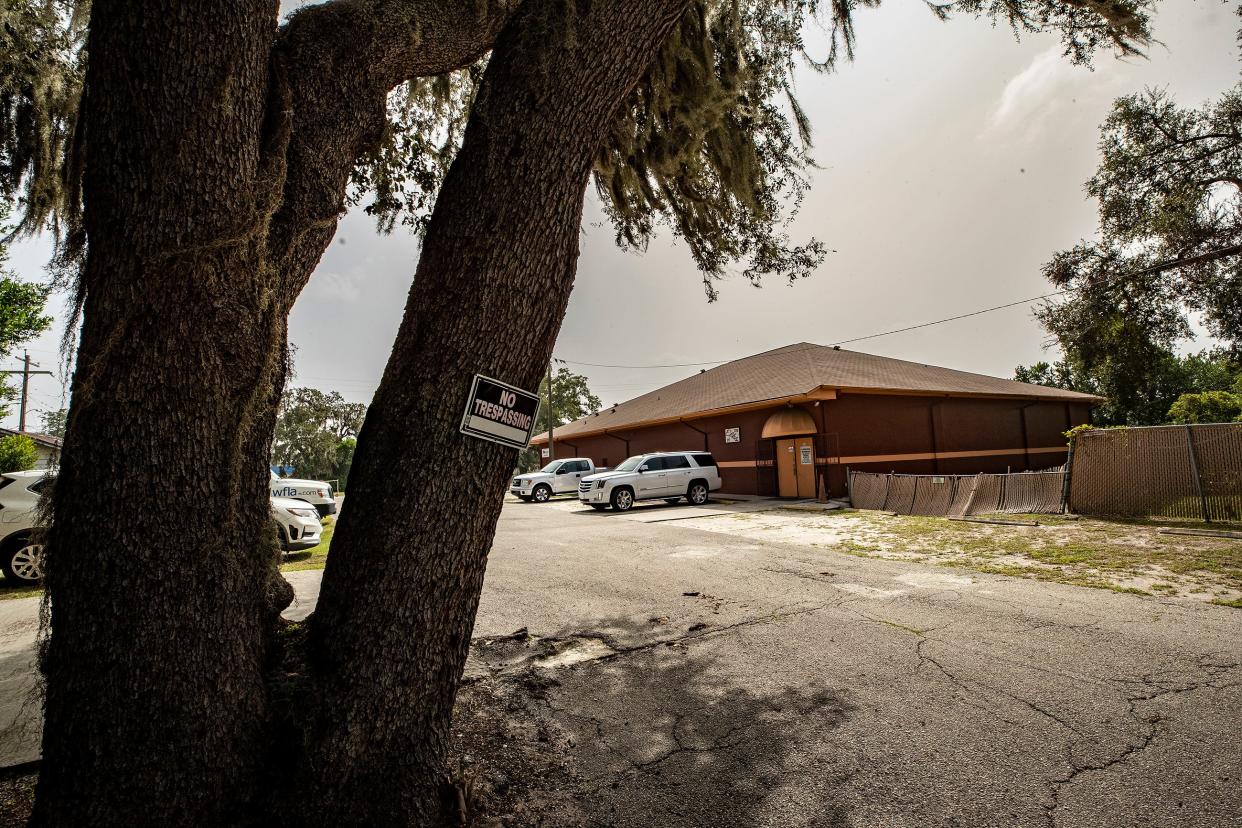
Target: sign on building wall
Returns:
[545, 453]
[733, 435]
[806, 456]
[499, 412]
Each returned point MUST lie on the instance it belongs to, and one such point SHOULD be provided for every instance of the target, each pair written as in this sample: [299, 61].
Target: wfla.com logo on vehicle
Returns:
[287, 491]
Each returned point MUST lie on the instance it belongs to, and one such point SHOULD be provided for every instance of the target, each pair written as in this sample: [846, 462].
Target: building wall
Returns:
[866, 432]
[49, 458]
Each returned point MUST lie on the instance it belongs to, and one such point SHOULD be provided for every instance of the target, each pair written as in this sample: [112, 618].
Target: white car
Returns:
[21, 541]
[315, 492]
[666, 475]
[297, 523]
[558, 477]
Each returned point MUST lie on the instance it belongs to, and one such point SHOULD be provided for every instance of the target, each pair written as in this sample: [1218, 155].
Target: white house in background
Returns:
[47, 446]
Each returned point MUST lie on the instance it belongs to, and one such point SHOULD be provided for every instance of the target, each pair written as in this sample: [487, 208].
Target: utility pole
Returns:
[26, 374]
[551, 417]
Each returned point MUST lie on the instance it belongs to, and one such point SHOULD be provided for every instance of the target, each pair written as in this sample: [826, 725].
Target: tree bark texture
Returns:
[157, 574]
[390, 636]
[218, 152]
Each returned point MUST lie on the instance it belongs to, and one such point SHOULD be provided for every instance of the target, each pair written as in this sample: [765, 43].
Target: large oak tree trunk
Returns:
[218, 152]
[396, 609]
[161, 545]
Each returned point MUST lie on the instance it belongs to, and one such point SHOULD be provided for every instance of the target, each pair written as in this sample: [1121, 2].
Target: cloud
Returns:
[336, 286]
[1048, 90]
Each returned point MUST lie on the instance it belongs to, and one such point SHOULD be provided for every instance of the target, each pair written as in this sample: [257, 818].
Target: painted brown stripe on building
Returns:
[898, 458]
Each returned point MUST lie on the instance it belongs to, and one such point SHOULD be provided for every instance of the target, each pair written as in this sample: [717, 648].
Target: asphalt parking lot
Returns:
[709, 679]
[702, 678]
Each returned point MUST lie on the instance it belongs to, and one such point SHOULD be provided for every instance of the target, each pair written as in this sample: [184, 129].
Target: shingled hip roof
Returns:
[799, 372]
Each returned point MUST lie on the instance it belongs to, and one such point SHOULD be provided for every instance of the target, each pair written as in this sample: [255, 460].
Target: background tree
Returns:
[1139, 392]
[344, 461]
[1214, 406]
[54, 422]
[571, 399]
[1169, 188]
[21, 313]
[310, 428]
[17, 453]
[193, 259]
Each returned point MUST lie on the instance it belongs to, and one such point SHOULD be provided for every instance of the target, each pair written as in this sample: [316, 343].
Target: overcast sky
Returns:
[951, 160]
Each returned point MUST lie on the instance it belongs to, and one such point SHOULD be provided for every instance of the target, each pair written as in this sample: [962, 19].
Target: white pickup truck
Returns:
[558, 477]
[315, 492]
[666, 475]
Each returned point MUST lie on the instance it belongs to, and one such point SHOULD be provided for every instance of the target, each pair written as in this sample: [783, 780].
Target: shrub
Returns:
[17, 453]
[1208, 407]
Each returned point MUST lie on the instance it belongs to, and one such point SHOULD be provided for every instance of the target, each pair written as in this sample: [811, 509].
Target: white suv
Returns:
[667, 475]
[297, 523]
[21, 541]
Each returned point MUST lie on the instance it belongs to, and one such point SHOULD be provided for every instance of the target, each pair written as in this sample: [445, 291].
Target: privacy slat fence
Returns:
[1169, 472]
[1165, 472]
[958, 495]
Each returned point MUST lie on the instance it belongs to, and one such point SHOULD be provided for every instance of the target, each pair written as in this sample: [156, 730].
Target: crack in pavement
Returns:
[1149, 726]
[619, 650]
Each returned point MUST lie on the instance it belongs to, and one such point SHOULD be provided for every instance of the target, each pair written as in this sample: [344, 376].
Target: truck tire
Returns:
[541, 493]
[622, 499]
[22, 560]
[697, 493]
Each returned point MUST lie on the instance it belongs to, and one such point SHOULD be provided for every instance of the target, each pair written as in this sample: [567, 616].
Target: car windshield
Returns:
[630, 463]
[551, 466]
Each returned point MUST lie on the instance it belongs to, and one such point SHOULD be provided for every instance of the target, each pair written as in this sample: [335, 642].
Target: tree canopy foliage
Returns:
[41, 76]
[316, 432]
[54, 421]
[1168, 254]
[712, 145]
[571, 399]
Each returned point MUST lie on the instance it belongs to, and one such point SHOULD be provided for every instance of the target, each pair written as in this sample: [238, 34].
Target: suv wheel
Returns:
[622, 500]
[697, 494]
[541, 493]
[23, 562]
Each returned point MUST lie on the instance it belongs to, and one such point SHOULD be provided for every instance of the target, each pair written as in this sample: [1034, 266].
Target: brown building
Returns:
[787, 421]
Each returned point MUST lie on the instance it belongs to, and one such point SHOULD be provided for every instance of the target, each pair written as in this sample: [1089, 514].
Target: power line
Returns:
[1159, 267]
[951, 318]
[840, 342]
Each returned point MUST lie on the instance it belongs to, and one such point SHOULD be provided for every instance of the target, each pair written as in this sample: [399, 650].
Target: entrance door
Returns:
[795, 467]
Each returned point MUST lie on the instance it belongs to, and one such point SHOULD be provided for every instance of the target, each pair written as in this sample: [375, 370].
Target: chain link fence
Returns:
[1183, 472]
[959, 495]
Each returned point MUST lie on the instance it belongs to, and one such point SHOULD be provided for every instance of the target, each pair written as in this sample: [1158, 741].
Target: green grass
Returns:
[1236, 603]
[313, 558]
[1103, 554]
[9, 590]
